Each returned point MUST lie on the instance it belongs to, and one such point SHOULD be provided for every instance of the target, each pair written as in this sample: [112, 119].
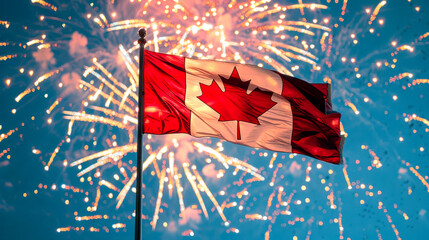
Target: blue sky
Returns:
[381, 191]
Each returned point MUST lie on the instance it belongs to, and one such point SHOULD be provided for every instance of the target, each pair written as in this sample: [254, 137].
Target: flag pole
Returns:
[140, 127]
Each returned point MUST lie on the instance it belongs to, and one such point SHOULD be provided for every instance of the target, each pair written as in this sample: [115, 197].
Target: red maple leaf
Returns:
[235, 104]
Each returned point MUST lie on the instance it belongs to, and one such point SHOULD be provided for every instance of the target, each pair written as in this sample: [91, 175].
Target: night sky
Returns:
[68, 130]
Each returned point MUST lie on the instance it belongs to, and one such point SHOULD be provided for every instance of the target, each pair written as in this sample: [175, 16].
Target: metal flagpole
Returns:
[138, 230]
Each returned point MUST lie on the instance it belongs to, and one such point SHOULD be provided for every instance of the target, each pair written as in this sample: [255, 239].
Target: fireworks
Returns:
[76, 77]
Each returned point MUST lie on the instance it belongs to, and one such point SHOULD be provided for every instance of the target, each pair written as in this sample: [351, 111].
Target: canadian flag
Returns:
[240, 103]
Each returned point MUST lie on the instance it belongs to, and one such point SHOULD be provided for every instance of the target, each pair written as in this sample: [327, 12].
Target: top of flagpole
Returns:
[142, 34]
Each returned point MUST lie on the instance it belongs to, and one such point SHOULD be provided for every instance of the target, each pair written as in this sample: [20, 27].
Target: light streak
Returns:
[195, 188]
[158, 200]
[416, 118]
[376, 10]
[209, 193]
